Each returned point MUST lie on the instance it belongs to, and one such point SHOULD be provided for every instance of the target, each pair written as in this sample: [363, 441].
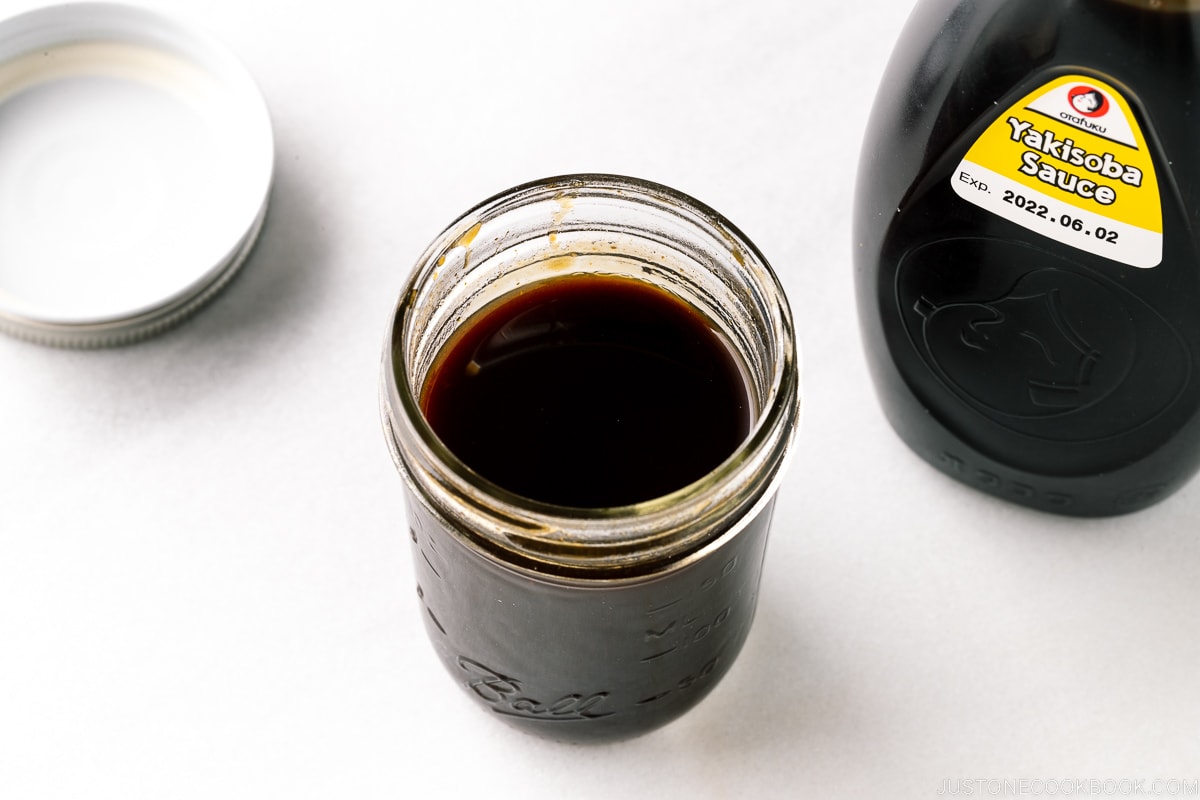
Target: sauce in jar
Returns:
[590, 391]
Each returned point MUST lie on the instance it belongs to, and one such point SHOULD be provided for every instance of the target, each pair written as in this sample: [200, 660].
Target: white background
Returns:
[205, 586]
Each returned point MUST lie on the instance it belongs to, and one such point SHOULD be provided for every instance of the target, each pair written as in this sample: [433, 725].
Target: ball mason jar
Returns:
[587, 624]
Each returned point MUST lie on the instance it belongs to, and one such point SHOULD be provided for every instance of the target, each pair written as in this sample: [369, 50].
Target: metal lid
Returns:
[136, 159]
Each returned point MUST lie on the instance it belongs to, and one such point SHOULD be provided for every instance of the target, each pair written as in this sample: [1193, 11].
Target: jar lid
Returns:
[136, 159]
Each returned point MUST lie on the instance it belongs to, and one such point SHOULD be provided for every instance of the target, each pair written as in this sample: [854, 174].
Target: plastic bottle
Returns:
[1025, 235]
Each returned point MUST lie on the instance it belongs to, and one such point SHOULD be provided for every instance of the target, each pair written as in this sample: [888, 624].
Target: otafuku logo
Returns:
[1089, 101]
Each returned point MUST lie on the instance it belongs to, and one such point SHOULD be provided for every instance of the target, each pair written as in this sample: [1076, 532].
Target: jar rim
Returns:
[602, 540]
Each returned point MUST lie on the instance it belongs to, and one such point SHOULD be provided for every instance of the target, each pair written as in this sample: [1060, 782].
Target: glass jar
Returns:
[590, 623]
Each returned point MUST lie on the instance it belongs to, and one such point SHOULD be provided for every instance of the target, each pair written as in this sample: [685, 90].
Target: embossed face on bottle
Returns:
[1043, 347]
[1030, 352]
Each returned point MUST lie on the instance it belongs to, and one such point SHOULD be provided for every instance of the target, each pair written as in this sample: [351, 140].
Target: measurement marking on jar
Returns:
[685, 683]
[653, 634]
[657, 656]
[430, 563]
[428, 610]
[435, 620]
[729, 567]
[684, 632]
[412, 532]
[664, 607]
[707, 584]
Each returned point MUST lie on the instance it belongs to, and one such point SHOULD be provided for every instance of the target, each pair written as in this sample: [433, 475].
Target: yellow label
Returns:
[1069, 162]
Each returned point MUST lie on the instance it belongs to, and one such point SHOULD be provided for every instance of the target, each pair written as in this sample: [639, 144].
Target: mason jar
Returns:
[590, 623]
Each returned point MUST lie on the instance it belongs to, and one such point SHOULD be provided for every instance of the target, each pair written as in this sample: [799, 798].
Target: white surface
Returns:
[205, 587]
[132, 167]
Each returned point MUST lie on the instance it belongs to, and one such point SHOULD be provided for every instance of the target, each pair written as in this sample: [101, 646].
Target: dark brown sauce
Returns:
[589, 391]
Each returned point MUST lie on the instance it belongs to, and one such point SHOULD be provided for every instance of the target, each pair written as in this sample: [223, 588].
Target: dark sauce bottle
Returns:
[1025, 238]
